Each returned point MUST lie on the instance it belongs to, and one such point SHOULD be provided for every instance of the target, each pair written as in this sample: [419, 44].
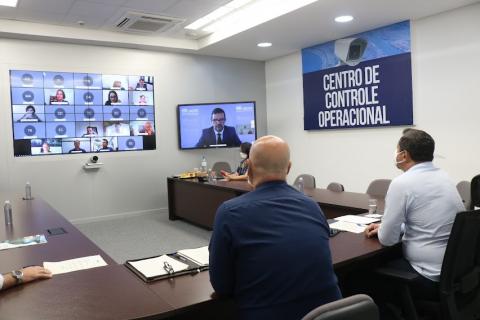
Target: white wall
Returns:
[446, 86]
[130, 182]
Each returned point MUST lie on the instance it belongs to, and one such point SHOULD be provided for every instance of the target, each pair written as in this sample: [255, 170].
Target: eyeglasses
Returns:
[218, 120]
[168, 268]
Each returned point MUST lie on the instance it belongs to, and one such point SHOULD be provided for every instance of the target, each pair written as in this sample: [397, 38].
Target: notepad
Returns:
[154, 267]
[348, 226]
[22, 242]
[357, 219]
[75, 264]
[198, 255]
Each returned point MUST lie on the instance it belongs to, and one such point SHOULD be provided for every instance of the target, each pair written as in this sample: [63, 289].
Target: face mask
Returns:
[396, 154]
[243, 155]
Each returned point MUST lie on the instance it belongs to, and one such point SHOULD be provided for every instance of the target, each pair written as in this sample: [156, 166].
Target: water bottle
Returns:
[28, 191]
[300, 184]
[7, 209]
[203, 165]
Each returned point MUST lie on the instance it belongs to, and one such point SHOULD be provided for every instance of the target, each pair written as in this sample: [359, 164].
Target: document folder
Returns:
[154, 268]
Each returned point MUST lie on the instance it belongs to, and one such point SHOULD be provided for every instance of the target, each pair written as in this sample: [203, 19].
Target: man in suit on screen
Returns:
[218, 134]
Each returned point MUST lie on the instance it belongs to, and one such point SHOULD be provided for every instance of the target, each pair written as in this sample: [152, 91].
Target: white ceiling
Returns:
[57, 20]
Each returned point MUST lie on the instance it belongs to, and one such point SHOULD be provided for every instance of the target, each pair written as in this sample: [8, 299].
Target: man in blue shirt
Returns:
[420, 208]
[269, 248]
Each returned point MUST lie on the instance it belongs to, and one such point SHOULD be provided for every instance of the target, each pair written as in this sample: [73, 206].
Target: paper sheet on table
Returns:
[199, 255]
[23, 242]
[357, 219]
[154, 267]
[75, 264]
[374, 215]
[347, 226]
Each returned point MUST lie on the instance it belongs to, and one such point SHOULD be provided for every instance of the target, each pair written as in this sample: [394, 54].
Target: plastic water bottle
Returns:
[203, 165]
[7, 209]
[28, 191]
[300, 185]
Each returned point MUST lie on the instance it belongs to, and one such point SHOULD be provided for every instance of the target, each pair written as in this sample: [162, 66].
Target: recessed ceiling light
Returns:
[343, 19]
[8, 3]
[264, 44]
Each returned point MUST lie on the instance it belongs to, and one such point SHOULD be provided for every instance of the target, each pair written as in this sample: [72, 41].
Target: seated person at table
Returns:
[420, 207]
[23, 275]
[241, 173]
[269, 248]
[218, 133]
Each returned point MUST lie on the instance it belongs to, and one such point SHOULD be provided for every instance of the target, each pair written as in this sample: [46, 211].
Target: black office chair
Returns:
[465, 192]
[475, 189]
[357, 307]
[308, 180]
[335, 186]
[459, 287]
[378, 188]
[221, 165]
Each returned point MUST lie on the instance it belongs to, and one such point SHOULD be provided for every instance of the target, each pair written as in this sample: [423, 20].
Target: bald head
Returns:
[269, 160]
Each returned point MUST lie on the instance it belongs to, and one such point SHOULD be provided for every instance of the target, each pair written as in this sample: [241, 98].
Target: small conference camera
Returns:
[94, 159]
[350, 50]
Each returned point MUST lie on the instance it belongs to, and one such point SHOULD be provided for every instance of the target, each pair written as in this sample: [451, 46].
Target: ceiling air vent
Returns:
[145, 23]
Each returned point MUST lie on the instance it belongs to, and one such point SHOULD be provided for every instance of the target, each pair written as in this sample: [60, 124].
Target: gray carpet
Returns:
[143, 236]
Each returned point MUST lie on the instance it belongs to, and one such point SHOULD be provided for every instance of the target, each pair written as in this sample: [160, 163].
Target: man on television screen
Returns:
[218, 134]
[76, 148]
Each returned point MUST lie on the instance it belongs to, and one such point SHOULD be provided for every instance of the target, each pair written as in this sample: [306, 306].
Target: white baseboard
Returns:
[118, 216]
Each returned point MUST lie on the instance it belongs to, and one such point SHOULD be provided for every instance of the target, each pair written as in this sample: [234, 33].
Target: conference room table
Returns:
[113, 291]
[197, 202]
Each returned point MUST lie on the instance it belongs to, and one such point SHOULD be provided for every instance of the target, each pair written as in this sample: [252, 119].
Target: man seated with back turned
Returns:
[269, 248]
[421, 204]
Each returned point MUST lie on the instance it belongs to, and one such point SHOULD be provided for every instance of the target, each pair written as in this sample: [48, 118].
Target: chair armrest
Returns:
[396, 274]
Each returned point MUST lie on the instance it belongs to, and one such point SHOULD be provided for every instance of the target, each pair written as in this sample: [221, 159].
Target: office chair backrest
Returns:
[308, 181]
[335, 186]
[465, 193]
[475, 192]
[357, 307]
[221, 165]
[460, 276]
[378, 187]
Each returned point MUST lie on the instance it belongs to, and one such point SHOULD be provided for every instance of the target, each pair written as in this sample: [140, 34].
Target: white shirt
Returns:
[426, 201]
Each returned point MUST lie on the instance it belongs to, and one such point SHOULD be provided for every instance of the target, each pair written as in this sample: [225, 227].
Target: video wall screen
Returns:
[67, 113]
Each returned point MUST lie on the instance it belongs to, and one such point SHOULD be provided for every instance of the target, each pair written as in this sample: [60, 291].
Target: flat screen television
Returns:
[216, 125]
[68, 113]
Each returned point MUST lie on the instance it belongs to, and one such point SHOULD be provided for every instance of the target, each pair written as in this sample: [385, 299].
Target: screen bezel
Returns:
[212, 104]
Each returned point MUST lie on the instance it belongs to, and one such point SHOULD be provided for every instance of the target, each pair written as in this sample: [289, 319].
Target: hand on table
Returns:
[372, 230]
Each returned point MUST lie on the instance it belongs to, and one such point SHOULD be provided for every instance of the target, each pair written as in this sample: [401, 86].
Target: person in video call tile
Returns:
[147, 129]
[141, 85]
[91, 132]
[105, 146]
[219, 133]
[30, 115]
[112, 98]
[59, 98]
[117, 84]
[117, 129]
[142, 100]
[76, 147]
[45, 148]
